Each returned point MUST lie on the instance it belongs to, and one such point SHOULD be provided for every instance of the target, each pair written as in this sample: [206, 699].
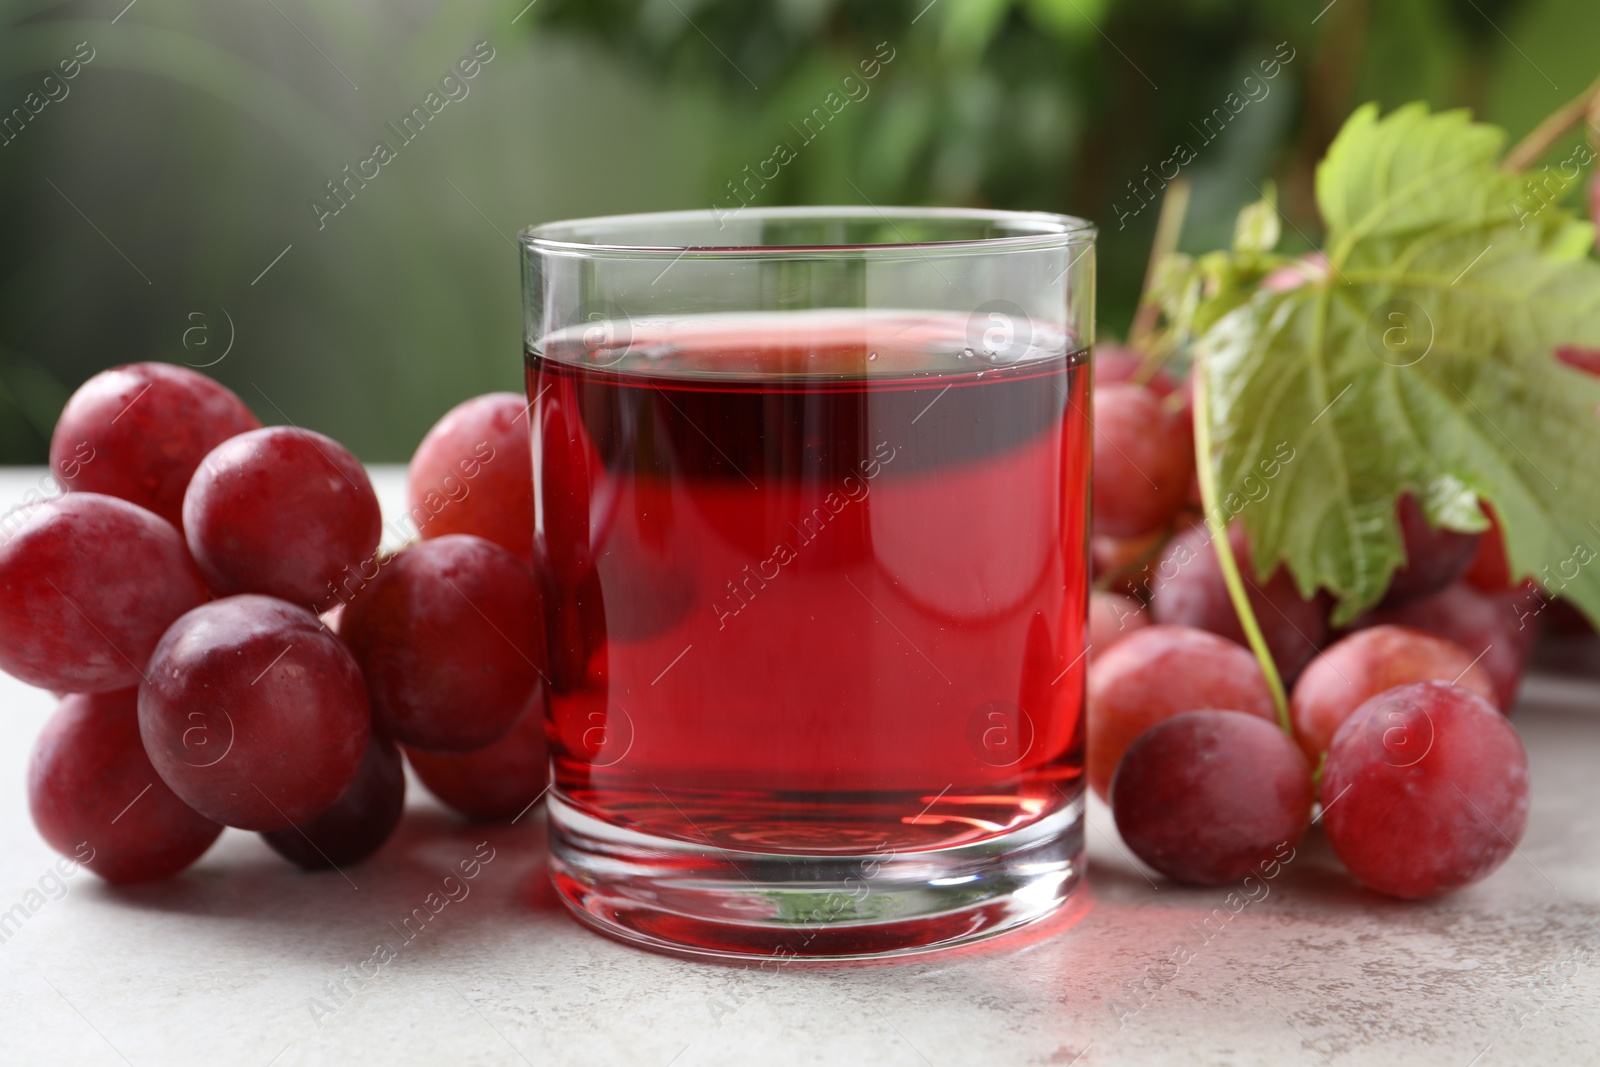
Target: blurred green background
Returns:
[158, 205]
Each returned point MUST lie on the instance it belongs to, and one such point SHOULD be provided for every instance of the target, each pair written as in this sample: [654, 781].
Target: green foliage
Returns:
[1419, 361]
[199, 133]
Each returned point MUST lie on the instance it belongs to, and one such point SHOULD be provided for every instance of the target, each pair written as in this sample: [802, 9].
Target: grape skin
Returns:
[1367, 663]
[1477, 621]
[1490, 570]
[139, 431]
[1112, 617]
[1434, 557]
[450, 637]
[283, 512]
[1206, 797]
[495, 783]
[95, 797]
[1143, 461]
[473, 474]
[254, 713]
[1113, 363]
[1189, 590]
[360, 821]
[1425, 790]
[1156, 673]
[88, 583]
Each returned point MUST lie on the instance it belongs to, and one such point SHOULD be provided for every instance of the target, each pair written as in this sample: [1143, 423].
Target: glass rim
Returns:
[565, 237]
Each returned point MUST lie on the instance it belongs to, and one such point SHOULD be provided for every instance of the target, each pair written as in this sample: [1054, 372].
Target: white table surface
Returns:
[224, 964]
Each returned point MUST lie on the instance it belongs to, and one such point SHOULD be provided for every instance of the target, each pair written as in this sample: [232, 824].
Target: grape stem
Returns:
[1555, 126]
[1219, 540]
[1169, 227]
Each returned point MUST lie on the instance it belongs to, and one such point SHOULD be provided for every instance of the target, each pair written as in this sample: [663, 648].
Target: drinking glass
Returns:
[812, 486]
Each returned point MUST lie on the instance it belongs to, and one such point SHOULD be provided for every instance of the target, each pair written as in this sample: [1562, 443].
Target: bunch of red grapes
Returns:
[232, 648]
[1399, 724]
[235, 650]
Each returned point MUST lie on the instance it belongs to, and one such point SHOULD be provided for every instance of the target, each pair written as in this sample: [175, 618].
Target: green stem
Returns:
[1219, 539]
[1169, 228]
[1556, 125]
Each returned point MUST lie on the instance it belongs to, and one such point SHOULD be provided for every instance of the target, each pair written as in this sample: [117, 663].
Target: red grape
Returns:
[1158, 672]
[1584, 359]
[1477, 621]
[359, 822]
[284, 512]
[254, 713]
[1207, 797]
[87, 585]
[1113, 363]
[1189, 591]
[1365, 664]
[1112, 617]
[450, 636]
[1491, 567]
[139, 431]
[1128, 559]
[1434, 557]
[1143, 460]
[1425, 790]
[96, 798]
[495, 783]
[1563, 617]
[473, 474]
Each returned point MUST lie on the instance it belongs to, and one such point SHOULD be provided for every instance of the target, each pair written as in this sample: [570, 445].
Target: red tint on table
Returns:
[837, 606]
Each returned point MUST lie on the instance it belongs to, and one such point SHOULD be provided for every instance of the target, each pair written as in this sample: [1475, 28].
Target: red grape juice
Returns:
[818, 578]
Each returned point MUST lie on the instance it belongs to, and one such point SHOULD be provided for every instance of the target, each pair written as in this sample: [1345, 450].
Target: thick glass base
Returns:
[701, 900]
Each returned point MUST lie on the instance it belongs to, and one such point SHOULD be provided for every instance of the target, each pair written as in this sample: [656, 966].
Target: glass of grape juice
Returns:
[812, 485]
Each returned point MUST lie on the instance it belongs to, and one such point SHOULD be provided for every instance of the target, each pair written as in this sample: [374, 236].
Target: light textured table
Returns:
[238, 961]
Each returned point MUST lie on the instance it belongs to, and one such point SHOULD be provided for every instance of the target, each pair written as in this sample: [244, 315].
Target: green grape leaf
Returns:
[1258, 229]
[1421, 361]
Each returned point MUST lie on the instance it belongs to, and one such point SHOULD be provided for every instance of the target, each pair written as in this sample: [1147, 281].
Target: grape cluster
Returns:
[1398, 723]
[236, 650]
